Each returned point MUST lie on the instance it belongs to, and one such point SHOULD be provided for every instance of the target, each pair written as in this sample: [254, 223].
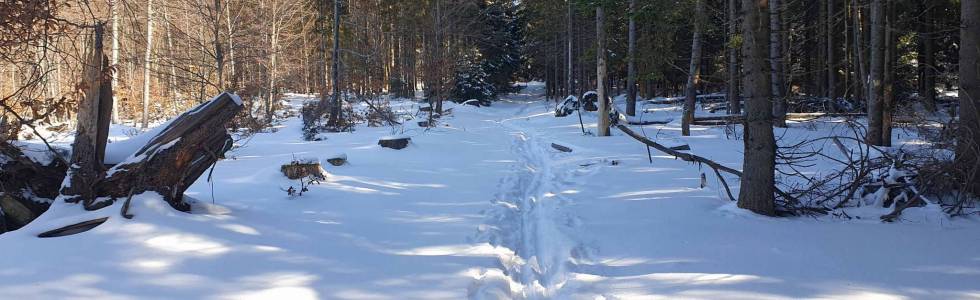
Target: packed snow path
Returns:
[481, 207]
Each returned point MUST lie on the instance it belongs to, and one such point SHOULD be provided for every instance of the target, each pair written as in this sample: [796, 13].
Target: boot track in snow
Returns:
[528, 219]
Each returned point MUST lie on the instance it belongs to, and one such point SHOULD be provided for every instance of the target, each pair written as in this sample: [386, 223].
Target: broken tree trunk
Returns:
[88, 149]
[173, 159]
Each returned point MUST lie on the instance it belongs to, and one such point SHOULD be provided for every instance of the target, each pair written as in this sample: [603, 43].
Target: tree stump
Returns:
[337, 160]
[299, 169]
[396, 142]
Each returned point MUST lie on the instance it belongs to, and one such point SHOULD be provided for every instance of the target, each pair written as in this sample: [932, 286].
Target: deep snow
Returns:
[482, 207]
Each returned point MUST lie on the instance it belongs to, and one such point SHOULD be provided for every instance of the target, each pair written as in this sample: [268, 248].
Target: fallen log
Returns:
[174, 158]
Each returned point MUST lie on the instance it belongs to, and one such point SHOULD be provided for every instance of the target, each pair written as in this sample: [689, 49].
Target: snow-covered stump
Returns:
[302, 168]
[396, 142]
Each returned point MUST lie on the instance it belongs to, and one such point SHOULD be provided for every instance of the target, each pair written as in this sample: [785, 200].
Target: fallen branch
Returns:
[695, 158]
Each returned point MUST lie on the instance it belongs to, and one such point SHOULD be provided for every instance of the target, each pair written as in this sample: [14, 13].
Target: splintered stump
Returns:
[394, 142]
[173, 159]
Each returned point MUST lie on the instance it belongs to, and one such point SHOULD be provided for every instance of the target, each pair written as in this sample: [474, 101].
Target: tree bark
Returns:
[335, 108]
[147, 61]
[776, 61]
[92, 127]
[569, 81]
[693, 75]
[758, 181]
[831, 60]
[115, 55]
[734, 102]
[876, 77]
[927, 54]
[603, 114]
[967, 148]
[631, 62]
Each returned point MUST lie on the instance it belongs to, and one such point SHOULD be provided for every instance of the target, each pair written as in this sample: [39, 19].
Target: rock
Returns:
[338, 160]
[397, 142]
[472, 102]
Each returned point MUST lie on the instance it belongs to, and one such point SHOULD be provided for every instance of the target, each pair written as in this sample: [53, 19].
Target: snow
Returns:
[481, 208]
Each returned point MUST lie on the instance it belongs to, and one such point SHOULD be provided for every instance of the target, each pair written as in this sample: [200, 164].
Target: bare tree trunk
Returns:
[875, 97]
[927, 55]
[861, 89]
[734, 102]
[174, 92]
[231, 49]
[115, 56]
[219, 55]
[831, 62]
[273, 52]
[603, 113]
[758, 180]
[888, 85]
[967, 147]
[568, 63]
[693, 75]
[776, 62]
[146, 64]
[631, 64]
[335, 109]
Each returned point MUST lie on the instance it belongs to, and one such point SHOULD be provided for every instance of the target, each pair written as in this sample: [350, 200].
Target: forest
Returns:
[490, 149]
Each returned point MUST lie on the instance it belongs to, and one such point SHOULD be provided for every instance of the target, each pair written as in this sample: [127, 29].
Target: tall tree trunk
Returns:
[631, 62]
[693, 75]
[335, 108]
[569, 81]
[174, 92]
[273, 57]
[231, 50]
[861, 78]
[927, 54]
[888, 84]
[831, 61]
[875, 97]
[147, 60]
[734, 102]
[219, 55]
[115, 56]
[776, 62]
[603, 114]
[967, 148]
[758, 179]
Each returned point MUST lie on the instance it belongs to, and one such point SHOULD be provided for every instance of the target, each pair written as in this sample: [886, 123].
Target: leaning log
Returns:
[173, 159]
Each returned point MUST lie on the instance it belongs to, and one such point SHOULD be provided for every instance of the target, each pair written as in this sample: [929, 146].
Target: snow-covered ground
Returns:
[482, 207]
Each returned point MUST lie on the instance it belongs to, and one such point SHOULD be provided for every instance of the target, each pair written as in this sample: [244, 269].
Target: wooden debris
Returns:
[302, 169]
[394, 142]
[173, 159]
[338, 160]
[73, 228]
[561, 148]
